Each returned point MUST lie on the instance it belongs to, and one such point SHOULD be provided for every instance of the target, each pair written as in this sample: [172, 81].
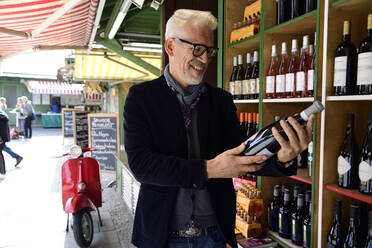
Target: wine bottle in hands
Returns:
[347, 162]
[264, 142]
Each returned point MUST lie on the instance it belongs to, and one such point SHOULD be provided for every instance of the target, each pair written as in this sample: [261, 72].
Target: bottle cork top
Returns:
[347, 25]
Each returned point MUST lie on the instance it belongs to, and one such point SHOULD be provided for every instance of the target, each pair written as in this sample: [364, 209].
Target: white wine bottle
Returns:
[264, 142]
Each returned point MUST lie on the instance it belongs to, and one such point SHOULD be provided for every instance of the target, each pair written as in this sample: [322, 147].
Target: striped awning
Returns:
[54, 87]
[95, 65]
[25, 16]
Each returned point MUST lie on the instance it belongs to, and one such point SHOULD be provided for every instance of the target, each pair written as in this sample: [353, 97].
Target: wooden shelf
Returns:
[282, 100]
[252, 42]
[301, 25]
[349, 4]
[352, 193]
[282, 241]
[247, 101]
[302, 176]
[350, 98]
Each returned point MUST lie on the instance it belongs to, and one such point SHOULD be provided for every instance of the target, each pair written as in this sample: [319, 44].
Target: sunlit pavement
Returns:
[31, 212]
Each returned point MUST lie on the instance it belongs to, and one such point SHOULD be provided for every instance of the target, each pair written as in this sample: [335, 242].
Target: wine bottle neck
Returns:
[347, 37]
[369, 32]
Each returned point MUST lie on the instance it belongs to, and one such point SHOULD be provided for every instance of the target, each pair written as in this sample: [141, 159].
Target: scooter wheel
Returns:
[83, 227]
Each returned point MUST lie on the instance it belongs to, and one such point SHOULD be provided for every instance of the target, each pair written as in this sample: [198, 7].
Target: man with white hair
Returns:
[28, 111]
[183, 142]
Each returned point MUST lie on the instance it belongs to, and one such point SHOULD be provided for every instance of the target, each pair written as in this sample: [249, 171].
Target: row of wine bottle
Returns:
[291, 218]
[245, 84]
[359, 233]
[353, 75]
[249, 123]
[289, 9]
[291, 77]
[354, 166]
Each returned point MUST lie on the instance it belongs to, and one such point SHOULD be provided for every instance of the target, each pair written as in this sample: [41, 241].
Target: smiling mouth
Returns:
[198, 68]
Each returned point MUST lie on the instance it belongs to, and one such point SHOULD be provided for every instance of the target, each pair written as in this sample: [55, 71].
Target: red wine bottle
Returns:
[307, 228]
[297, 220]
[264, 143]
[336, 233]
[351, 240]
[364, 78]
[365, 166]
[348, 159]
[368, 243]
[345, 65]
[273, 210]
[232, 77]
[285, 216]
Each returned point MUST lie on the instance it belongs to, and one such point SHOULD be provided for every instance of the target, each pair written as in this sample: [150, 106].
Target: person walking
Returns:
[4, 137]
[28, 111]
[183, 141]
[3, 105]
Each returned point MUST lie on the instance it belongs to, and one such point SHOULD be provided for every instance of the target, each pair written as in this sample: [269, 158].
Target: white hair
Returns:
[180, 17]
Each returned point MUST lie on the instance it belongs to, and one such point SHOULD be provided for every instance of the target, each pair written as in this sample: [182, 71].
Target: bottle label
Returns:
[270, 84]
[232, 87]
[246, 87]
[265, 152]
[305, 236]
[339, 77]
[252, 86]
[257, 88]
[280, 83]
[238, 87]
[300, 81]
[280, 222]
[310, 79]
[365, 172]
[364, 69]
[294, 228]
[289, 82]
[343, 165]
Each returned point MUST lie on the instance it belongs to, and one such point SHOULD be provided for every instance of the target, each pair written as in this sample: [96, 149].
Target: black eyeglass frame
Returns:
[194, 45]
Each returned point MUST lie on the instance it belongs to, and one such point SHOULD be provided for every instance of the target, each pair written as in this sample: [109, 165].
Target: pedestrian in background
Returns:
[4, 137]
[3, 105]
[28, 111]
[6, 148]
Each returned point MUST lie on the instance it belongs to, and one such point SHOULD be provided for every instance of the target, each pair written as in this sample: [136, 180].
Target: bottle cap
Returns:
[369, 21]
[311, 50]
[294, 46]
[296, 191]
[276, 190]
[338, 205]
[316, 107]
[240, 59]
[287, 195]
[350, 118]
[277, 118]
[308, 196]
[255, 56]
[300, 200]
[305, 42]
[241, 116]
[353, 211]
[235, 61]
[249, 58]
[273, 51]
[347, 25]
[369, 116]
[245, 116]
[284, 48]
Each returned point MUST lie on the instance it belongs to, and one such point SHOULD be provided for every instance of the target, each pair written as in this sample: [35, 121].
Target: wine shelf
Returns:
[247, 101]
[350, 98]
[307, 22]
[352, 193]
[250, 42]
[282, 100]
[282, 241]
[302, 176]
[349, 4]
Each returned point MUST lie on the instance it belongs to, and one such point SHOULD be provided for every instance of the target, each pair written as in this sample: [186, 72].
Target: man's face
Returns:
[184, 66]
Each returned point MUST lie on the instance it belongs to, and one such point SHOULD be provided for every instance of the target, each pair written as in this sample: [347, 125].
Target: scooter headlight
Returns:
[82, 186]
[75, 151]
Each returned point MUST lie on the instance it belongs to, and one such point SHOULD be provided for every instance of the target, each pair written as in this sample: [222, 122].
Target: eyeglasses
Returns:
[199, 49]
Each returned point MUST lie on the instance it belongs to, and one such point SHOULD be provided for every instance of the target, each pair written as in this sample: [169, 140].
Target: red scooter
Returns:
[81, 193]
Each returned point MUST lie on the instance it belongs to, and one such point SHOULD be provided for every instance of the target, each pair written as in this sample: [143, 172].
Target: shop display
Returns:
[365, 166]
[297, 218]
[307, 227]
[264, 143]
[273, 210]
[285, 211]
[289, 9]
[283, 11]
[271, 74]
[344, 78]
[249, 123]
[364, 78]
[336, 233]
[348, 159]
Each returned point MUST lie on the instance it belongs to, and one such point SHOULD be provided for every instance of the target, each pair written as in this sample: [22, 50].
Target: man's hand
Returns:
[297, 142]
[230, 164]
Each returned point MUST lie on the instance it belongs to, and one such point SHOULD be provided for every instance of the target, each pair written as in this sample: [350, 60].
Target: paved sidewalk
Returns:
[31, 212]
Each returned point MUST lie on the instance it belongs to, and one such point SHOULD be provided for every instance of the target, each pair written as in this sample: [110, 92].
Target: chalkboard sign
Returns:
[104, 132]
[81, 128]
[67, 122]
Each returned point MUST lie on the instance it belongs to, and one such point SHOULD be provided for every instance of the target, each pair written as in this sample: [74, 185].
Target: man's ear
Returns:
[169, 47]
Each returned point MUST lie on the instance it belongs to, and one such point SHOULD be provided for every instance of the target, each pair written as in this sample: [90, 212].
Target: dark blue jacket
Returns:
[155, 142]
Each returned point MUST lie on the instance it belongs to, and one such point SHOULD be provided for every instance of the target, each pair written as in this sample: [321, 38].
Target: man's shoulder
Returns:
[148, 85]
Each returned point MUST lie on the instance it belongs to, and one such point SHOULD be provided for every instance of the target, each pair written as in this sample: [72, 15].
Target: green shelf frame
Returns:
[245, 40]
[339, 2]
